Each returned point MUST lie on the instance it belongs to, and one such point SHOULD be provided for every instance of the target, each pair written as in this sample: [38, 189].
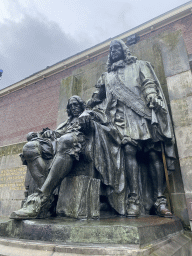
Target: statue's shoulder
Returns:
[144, 65]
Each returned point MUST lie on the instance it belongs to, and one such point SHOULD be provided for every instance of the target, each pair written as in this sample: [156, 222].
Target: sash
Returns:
[128, 97]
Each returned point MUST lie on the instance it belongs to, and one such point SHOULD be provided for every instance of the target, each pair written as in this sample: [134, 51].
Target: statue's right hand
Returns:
[84, 120]
[48, 134]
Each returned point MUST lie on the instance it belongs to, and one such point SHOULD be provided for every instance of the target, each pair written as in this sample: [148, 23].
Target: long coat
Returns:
[120, 100]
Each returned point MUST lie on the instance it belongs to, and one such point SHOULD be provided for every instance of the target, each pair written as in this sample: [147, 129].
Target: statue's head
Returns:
[119, 51]
[116, 51]
[75, 106]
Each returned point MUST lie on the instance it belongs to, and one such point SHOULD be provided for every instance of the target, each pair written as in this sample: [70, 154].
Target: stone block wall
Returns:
[12, 177]
[179, 83]
[81, 82]
[29, 109]
[184, 25]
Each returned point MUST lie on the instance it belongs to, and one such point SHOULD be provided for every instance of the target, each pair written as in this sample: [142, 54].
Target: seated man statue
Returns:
[71, 138]
[70, 143]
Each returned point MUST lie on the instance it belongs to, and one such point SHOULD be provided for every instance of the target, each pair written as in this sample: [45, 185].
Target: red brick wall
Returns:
[36, 106]
[32, 108]
[28, 109]
[184, 24]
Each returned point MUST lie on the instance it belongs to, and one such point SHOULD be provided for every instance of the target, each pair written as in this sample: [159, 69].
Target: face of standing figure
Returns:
[116, 51]
[75, 107]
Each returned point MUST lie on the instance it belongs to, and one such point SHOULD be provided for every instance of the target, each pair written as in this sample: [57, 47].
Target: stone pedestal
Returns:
[142, 231]
[176, 245]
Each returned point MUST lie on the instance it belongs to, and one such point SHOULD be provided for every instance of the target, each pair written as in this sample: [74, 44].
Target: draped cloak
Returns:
[123, 114]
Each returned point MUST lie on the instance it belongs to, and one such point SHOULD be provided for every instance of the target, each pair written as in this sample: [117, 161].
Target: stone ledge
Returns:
[141, 232]
[178, 243]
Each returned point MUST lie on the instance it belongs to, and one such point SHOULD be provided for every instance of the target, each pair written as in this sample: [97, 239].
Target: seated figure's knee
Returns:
[66, 142]
[31, 150]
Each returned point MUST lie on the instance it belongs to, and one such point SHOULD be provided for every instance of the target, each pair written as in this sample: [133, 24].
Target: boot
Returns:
[161, 208]
[36, 206]
[133, 208]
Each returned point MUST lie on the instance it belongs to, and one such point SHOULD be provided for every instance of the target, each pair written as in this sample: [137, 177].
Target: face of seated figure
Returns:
[116, 52]
[75, 107]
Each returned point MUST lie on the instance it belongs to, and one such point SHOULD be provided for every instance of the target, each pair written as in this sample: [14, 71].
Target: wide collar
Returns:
[118, 64]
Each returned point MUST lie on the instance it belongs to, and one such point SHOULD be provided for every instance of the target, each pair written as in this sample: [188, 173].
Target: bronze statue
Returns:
[125, 124]
[132, 98]
[72, 137]
[39, 149]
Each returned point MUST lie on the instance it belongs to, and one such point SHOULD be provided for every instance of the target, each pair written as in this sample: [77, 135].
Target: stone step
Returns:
[177, 245]
[15, 247]
[146, 235]
[141, 231]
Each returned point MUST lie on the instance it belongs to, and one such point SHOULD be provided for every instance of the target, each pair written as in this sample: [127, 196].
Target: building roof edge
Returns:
[147, 27]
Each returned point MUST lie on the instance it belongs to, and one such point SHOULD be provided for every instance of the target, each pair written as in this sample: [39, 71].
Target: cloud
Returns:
[31, 44]
[109, 18]
[30, 41]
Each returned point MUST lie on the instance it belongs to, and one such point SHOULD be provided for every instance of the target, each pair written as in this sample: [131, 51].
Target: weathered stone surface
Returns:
[149, 50]
[66, 84]
[178, 245]
[142, 231]
[175, 58]
[176, 179]
[79, 197]
[12, 177]
[186, 167]
[180, 85]
[8, 206]
[182, 111]
[179, 207]
[10, 161]
[15, 247]
[7, 193]
[11, 149]
[80, 83]
[184, 141]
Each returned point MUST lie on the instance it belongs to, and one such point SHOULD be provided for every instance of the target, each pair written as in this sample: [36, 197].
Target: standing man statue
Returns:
[132, 98]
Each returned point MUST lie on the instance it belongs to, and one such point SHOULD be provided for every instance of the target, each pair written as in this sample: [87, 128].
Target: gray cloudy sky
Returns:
[39, 33]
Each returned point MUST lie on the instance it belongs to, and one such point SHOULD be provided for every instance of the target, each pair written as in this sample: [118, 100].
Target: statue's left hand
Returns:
[154, 101]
